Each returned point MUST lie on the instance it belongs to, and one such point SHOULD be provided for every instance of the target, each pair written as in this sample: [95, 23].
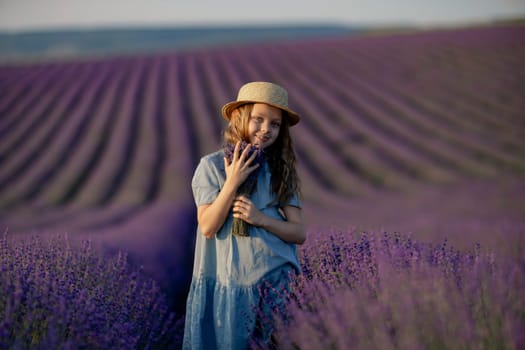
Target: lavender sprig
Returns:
[239, 226]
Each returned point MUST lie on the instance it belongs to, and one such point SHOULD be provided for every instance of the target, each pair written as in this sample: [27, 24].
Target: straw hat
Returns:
[261, 92]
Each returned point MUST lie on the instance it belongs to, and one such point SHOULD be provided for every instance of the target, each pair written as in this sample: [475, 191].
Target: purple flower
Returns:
[368, 290]
[239, 226]
[55, 296]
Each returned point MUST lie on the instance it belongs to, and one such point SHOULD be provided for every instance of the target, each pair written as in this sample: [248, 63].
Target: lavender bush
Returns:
[56, 296]
[239, 226]
[373, 291]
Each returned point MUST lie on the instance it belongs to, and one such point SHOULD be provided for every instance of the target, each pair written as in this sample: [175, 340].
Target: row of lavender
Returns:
[381, 112]
[56, 295]
[388, 291]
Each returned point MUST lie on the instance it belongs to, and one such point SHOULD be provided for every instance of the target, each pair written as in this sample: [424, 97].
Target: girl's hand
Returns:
[239, 169]
[243, 208]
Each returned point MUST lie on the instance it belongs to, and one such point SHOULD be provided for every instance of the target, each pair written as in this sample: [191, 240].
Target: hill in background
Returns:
[75, 43]
[59, 44]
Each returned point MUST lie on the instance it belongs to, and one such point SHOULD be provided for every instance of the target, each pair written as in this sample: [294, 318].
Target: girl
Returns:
[230, 271]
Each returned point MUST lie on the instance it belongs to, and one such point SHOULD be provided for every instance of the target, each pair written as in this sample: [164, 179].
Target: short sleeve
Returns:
[294, 201]
[205, 184]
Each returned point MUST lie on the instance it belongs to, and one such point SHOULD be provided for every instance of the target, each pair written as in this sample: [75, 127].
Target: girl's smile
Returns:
[264, 124]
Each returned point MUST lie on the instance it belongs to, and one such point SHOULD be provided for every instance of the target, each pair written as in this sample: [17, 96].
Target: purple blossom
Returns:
[385, 291]
[55, 295]
[239, 226]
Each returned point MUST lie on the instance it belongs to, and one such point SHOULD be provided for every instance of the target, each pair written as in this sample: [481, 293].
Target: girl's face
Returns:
[264, 124]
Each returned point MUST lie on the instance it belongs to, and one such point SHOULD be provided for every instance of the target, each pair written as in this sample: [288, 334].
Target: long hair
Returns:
[280, 155]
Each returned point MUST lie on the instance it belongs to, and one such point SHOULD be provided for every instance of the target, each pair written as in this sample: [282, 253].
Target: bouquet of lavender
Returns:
[240, 227]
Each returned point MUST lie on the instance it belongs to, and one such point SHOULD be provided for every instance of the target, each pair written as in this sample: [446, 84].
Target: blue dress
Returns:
[228, 270]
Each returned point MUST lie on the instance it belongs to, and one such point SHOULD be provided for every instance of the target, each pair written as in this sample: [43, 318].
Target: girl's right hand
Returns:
[239, 169]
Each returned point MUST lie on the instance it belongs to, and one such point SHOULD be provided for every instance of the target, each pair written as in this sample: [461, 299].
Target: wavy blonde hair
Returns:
[280, 155]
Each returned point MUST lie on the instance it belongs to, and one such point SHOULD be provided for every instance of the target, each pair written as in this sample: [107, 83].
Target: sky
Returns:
[24, 15]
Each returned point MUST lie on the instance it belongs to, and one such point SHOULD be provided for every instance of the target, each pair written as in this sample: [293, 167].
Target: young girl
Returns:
[229, 270]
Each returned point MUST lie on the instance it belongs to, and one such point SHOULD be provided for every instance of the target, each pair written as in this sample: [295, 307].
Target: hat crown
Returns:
[263, 92]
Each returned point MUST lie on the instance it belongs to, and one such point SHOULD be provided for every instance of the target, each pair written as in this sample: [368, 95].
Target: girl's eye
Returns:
[276, 125]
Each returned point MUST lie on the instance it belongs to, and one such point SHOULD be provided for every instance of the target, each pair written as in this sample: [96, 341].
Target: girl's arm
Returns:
[292, 230]
[211, 217]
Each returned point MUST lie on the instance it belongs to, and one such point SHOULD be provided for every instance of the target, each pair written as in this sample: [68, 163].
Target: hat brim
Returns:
[228, 108]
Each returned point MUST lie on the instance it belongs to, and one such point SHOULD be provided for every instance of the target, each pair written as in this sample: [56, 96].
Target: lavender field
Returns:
[421, 134]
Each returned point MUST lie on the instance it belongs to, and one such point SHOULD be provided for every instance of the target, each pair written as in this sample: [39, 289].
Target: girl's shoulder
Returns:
[215, 158]
[212, 161]
[211, 166]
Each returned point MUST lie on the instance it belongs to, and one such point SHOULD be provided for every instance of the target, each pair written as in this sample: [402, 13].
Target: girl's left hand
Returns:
[243, 208]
